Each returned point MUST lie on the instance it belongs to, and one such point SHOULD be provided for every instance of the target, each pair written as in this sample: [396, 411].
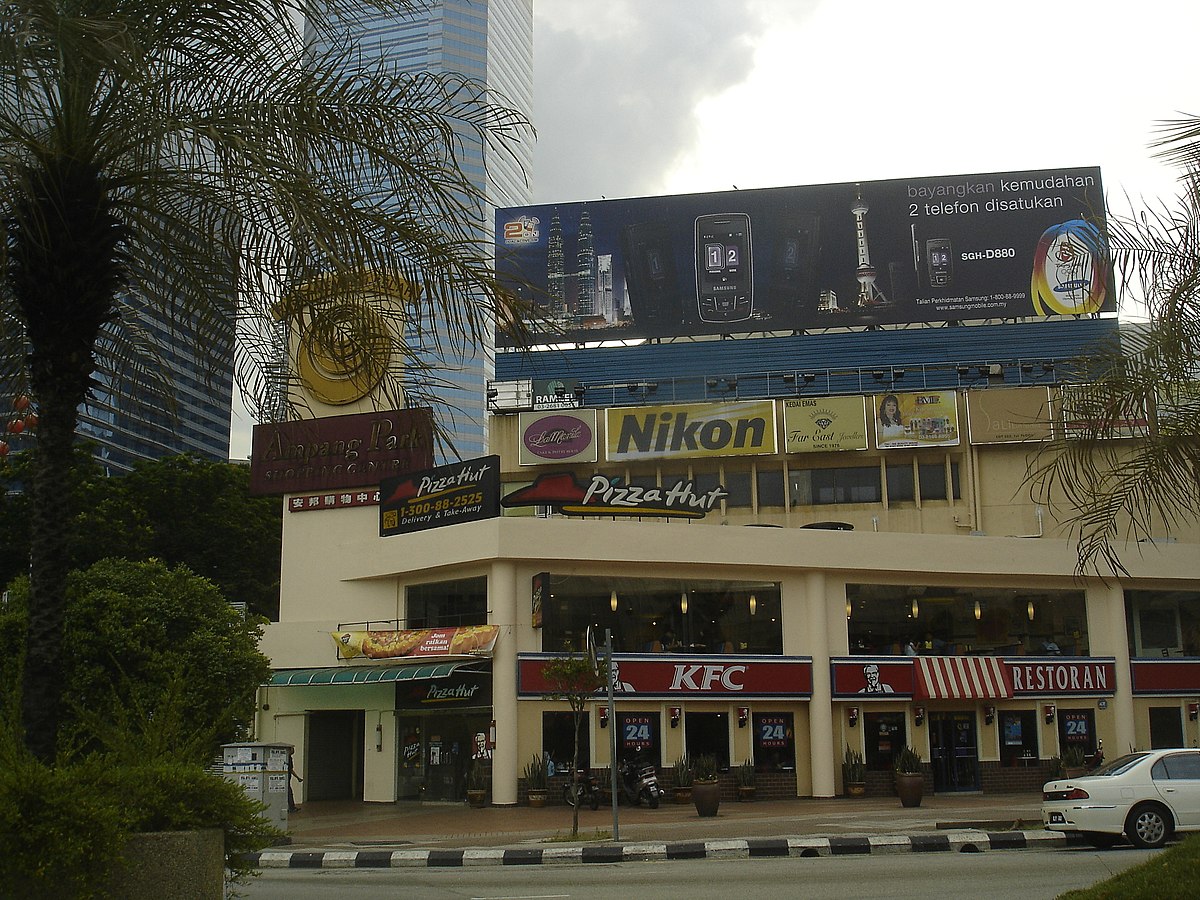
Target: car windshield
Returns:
[1120, 764]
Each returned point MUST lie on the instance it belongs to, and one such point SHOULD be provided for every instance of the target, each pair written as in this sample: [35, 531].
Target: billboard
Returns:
[557, 437]
[818, 424]
[917, 419]
[446, 495]
[1009, 416]
[933, 249]
[338, 452]
[690, 430]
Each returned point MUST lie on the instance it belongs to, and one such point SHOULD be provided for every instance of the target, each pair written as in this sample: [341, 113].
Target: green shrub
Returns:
[706, 768]
[681, 772]
[535, 773]
[908, 762]
[854, 770]
[744, 774]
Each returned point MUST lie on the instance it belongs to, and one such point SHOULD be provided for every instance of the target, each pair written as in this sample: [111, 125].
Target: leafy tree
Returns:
[179, 509]
[1109, 491]
[134, 632]
[574, 679]
[195, 160]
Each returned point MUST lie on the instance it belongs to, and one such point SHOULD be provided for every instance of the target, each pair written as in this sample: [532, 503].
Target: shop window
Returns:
[706, 482]
[931, 478]
[650, 616]
[708, 734]
[1166, 727]
[857, 484]
[800, 489]
[770, 486]
[885, 735]
[1163, 623]
[900, 483]
[737, 483]
[446, 604]
[558, 741]
[1077, 730]
[639, 736]
[1018, 737]
[774, 742]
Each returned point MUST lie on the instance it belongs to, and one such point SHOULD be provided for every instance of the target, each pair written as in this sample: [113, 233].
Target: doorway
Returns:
[335, 751]
[954, 750]
[1166, 727]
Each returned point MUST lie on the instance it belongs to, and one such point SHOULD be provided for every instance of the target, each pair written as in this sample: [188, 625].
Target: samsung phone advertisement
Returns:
[1006, 245]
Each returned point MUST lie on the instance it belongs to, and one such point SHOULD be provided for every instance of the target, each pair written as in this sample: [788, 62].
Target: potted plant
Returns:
[854, 773]
[535, 781]
[744, 777]
[706, 791]
[910, 780]
[681, 779]
[1073, 762]
[477, 784]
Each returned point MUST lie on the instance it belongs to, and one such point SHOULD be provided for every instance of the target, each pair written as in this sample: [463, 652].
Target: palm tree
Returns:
[1147, 385]
[194, 159]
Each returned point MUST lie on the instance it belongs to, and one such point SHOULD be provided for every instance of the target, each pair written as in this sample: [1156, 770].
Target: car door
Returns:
[1177, 780]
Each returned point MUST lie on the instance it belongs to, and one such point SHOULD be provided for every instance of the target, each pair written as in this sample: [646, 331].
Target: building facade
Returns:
[784, 577]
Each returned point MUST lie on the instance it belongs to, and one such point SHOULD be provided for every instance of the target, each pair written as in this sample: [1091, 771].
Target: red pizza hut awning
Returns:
[962, 678]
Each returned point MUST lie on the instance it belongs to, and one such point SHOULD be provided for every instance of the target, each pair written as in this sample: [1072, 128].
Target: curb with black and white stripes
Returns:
[966, 841]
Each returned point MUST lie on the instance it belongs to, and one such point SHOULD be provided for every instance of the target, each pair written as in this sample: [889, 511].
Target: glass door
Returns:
[955, 751]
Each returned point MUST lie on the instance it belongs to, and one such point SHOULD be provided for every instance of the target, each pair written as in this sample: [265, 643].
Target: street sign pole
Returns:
[612, 730]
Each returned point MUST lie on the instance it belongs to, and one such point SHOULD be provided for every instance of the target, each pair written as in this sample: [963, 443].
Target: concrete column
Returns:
[502, 600]
[820, 708]
[1107, 636]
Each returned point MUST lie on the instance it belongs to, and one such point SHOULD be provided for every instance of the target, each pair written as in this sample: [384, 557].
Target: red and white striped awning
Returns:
[962, 678]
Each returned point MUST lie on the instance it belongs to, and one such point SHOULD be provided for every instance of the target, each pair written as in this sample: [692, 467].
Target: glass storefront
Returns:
[885, 735]
[1163, 623]
[659, 615]
[949, 621]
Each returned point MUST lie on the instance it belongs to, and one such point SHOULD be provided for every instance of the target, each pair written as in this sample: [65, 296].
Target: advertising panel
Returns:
[604, 496]
[1082, 412]
[456, 690]
[866, 678]
[1009, 415]
[561, 437]
[337, 452]
[445, 495]
[1054, 678]
[677, 676]
[933, 249]
[469, 640]
[555, 393]
[918, 419]
[813, 424]
[690, 430]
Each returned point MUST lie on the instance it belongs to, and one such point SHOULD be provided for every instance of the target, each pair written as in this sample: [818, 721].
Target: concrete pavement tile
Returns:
[490, 856]
[889, 843]
[727, 850]
[562, 855]
[407, 858]
[644, 851]
[339, 859]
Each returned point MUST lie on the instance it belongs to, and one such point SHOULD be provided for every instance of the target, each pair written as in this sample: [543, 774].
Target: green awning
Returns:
[367, 674]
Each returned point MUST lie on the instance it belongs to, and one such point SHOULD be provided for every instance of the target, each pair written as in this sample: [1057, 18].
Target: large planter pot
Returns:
[477, 799]
[910, 787]
[856, 789]
[1074, 771]
[537, 797]
[188, 865]
[683, 795]
[706, 796]
[745, 793]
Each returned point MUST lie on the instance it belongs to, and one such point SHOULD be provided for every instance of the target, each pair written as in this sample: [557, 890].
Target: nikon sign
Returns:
[690, 430]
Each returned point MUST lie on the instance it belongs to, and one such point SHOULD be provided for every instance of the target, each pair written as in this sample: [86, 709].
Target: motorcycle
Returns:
[638, 783]
[585, 787]
[1095, 760]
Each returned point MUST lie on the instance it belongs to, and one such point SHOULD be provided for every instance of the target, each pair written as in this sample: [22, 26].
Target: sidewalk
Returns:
[342, 833]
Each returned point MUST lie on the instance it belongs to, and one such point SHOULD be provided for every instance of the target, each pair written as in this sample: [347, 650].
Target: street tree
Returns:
[575, 679]
[1145, 384]
[203, 163]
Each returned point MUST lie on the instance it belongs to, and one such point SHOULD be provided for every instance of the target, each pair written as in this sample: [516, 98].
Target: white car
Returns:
[1146, 796]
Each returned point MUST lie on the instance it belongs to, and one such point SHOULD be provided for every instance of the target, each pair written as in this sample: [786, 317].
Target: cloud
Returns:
[617, 86]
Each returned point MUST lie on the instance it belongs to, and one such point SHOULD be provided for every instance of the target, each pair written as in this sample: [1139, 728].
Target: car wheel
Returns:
[1148, 826]
[1100, 840]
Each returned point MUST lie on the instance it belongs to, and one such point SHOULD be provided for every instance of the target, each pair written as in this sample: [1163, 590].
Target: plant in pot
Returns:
[477, 784]
[706, 791]
[744, 777]
[910, 780]
[1073, 762]
[854, 773]
[681, 779]
[535, 781]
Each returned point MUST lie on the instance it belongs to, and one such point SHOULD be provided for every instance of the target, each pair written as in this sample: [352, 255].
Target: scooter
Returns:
[1094, 761]
[585, 787]
[638, 783]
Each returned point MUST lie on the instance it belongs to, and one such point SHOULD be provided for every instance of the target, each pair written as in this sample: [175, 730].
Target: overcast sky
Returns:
[643, 97]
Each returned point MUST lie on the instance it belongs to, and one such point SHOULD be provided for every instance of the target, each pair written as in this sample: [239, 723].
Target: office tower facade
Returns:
[492, 42]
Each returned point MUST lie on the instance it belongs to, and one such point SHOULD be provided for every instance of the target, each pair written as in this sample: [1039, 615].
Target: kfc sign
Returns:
[671, 676]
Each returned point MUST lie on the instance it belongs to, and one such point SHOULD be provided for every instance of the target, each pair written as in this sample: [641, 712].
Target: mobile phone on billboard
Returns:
[655, 301]
[724, 273]
[791, 293]
[939, 260]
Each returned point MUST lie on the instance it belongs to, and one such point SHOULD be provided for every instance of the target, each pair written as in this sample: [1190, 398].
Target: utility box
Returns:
[262, 770]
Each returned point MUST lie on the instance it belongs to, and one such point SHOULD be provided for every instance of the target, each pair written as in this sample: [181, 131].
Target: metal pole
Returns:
[612, 731]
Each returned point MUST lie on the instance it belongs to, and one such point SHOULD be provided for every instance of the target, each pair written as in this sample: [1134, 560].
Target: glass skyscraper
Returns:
[491, 41]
